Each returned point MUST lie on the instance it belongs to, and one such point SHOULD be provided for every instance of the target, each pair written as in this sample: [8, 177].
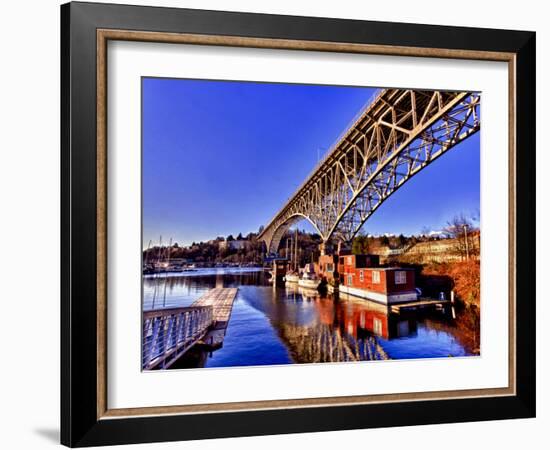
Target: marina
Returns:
[283, 323]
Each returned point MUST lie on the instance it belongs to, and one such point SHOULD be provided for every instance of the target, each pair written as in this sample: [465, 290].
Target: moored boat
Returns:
[292, 277]
[309, 278]
[361, 276]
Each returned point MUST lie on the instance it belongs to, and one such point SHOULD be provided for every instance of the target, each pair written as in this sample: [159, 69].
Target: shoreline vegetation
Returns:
[463, 277]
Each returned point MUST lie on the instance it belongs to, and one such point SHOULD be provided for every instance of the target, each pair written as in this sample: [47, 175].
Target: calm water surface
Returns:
[287, 324]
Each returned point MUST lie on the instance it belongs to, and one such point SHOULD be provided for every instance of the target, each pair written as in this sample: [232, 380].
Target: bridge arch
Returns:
[273, 239]
[400, 133]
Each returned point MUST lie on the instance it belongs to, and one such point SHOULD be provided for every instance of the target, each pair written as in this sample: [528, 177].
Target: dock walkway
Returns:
[169, 333]
[418, 304]
[221, 300]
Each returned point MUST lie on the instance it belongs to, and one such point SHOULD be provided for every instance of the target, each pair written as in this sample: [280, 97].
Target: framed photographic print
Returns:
[276, 224]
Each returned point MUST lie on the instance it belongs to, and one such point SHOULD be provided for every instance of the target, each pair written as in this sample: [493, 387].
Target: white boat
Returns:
[292, 277]
[309, 278]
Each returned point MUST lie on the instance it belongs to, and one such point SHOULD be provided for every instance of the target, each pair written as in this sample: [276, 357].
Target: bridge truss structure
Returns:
[399, 133]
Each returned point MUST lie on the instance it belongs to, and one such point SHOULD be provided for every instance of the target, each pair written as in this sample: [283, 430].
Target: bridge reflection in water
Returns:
[289, 325]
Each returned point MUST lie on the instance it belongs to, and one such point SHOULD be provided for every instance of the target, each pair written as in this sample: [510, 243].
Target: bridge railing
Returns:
[168, 333]
[350, 125]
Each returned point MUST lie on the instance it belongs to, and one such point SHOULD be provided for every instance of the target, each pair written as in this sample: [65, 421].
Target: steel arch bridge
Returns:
[397, 135]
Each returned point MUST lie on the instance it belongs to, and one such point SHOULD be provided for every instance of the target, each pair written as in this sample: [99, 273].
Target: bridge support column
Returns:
[279, 270]
[343, 248]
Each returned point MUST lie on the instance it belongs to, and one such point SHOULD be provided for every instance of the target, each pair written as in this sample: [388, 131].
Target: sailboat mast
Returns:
[166, 270]
[296, 262]
[286, 250]
[146, 259]
[156, 269]
[289, 256]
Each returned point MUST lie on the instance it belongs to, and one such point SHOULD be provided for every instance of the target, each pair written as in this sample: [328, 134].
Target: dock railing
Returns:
[168, 333]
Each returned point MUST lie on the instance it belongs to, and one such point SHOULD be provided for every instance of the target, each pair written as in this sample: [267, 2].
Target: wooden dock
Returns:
[169, 333]
[221, 300]
[418, 304]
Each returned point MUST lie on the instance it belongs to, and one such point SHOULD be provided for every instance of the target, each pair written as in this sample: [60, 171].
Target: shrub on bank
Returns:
[464, 277]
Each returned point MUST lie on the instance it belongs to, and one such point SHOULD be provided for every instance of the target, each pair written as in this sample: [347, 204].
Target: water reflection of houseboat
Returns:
[360, 318]
[357, 318]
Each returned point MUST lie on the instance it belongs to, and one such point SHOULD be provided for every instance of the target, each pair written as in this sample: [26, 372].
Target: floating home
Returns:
[362, 276]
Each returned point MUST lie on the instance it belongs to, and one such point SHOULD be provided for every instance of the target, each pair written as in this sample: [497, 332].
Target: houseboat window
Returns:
[361, 276]
[376, 276]
[400, 277]
[350, 280]
[330, 267]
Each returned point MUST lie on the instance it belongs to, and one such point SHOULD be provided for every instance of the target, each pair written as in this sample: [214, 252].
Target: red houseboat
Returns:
[361, 276]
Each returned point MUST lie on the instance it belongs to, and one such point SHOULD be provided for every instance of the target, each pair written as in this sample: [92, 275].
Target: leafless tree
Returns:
[425, 232]
[462, 230]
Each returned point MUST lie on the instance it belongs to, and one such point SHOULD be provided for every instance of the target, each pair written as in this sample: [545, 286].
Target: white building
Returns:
[233, 245]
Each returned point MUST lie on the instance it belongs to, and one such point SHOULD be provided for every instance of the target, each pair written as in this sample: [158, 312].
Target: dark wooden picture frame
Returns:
[85, 417]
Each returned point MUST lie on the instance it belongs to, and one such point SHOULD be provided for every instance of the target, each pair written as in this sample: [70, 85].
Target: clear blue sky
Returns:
[221, 158]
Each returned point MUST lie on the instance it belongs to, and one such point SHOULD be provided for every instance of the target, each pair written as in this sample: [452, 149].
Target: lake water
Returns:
[288, 325]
